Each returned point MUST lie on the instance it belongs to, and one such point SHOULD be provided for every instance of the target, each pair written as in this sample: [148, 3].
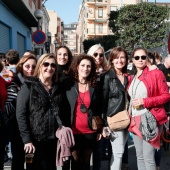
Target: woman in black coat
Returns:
[38, 106]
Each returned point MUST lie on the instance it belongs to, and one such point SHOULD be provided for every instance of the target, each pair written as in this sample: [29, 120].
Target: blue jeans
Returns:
[145, 154]
[118, 145]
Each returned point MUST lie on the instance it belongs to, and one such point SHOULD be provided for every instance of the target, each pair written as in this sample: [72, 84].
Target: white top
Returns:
[137, 89]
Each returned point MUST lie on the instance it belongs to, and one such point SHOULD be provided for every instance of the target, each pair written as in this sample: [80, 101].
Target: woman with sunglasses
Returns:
[38, 107]
[64, 59]
[97, 52]
[115, 100]
[148, 91]
[84, 102]
[24, 68]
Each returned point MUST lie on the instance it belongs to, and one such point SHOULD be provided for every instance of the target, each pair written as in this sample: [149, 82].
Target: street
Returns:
[165, 161]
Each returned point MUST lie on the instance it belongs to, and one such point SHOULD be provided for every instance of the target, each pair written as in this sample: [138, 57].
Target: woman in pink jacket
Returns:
[149, 92]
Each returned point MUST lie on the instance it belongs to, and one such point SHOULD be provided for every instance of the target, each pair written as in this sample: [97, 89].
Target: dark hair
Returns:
[134, 70]
[151, 56]
[113, 54]
[73, 72]
[1, 66]
[70, 58]
[12, 56]
[19, 67]
[157, 56]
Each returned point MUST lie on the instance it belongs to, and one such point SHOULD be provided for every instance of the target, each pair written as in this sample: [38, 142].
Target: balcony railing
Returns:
[97, 31]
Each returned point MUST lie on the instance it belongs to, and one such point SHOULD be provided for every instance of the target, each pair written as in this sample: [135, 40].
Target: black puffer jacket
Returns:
[36, 110]
[114, 94]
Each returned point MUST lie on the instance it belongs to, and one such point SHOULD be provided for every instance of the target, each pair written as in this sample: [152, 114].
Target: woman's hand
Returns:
[137, 102]
[29, 148]
[106, 132]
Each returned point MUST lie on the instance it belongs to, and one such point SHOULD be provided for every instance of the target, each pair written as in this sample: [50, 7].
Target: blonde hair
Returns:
[41, 61]
[91, 52]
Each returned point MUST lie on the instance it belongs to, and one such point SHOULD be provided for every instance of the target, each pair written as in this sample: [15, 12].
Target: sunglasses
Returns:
[30, 66]
[46, 64]
[100, 54]
[143, 57]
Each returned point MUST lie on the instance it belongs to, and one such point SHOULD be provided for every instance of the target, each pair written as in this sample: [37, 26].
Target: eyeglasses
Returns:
[100, 54]
[30, 66]
[143, 57]
[46, 64]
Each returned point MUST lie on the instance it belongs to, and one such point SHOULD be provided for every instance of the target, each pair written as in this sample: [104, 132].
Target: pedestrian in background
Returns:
[84, 102]
[149, 92]
[38, 106]
[3, 127]
[97, 52]
[24, 68]
[114, 93]
[158, 58]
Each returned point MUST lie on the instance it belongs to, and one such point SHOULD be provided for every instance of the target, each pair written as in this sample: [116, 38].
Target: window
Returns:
[100, 0]
[100, 28]
[100, 12]
[113, 8]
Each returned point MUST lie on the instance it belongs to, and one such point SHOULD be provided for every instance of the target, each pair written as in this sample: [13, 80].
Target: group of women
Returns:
[61, 90]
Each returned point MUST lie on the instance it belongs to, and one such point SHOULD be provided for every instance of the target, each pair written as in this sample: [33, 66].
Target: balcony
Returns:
[101, 20]
[91, 2]
[101, 3]
[96, 32]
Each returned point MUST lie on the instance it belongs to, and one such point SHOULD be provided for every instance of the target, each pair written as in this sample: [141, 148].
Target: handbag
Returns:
[119, 121]
[97, 122]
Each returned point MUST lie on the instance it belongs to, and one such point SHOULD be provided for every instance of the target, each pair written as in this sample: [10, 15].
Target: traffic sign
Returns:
[38, 37]
[38, 45]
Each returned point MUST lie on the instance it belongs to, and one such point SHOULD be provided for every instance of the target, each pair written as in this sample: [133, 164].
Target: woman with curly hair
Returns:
[83, 99]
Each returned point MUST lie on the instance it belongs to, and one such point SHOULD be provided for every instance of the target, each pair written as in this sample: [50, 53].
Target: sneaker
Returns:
[8, 163]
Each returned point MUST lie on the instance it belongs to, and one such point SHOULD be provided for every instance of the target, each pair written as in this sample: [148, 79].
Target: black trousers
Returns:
[18, 154]
[45, 155]
[3, 143]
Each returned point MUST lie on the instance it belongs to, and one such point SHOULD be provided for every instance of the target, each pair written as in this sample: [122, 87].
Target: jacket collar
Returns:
[112, 75]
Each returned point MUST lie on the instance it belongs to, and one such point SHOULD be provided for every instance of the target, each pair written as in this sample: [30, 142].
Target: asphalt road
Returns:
[165, 160]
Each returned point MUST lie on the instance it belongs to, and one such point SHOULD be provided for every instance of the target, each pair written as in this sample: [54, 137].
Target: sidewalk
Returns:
[165, 160]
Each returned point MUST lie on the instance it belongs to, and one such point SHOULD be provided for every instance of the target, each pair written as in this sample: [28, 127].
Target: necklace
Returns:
[82, 83]
[119, 74]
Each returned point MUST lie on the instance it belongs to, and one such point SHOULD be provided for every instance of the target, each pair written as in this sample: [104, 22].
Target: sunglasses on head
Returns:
[143, 57]
[100, 54]
[30, 66]
[46, 64]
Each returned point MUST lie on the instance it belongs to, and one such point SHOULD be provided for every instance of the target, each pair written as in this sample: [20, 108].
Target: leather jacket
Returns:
[114, 94]
[37, 110]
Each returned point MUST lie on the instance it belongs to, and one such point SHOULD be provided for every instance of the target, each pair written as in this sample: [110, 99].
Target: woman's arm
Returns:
[161, 89]
[22, 113]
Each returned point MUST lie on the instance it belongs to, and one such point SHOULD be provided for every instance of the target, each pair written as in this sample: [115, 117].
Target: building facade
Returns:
[70, 36]
[93, 18]
[16, 22]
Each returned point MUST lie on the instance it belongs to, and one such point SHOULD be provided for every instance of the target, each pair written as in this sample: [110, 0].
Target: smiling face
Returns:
[120, 61]
[47, 69]
[98, 56]
[84, 69]
[62, 56]
[141, 62]
[29, 67]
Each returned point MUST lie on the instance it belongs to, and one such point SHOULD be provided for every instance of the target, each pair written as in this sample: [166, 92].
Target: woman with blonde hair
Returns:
[38, 106]
[97, 52]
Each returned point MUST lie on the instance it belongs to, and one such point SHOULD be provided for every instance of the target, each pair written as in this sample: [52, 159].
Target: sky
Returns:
[68, 10]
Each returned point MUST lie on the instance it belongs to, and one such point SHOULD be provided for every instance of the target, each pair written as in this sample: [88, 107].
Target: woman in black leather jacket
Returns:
[83, 97]
[114, 93]
[38, 106]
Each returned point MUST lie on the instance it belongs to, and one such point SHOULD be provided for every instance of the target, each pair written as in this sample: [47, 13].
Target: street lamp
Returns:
[38, 14]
